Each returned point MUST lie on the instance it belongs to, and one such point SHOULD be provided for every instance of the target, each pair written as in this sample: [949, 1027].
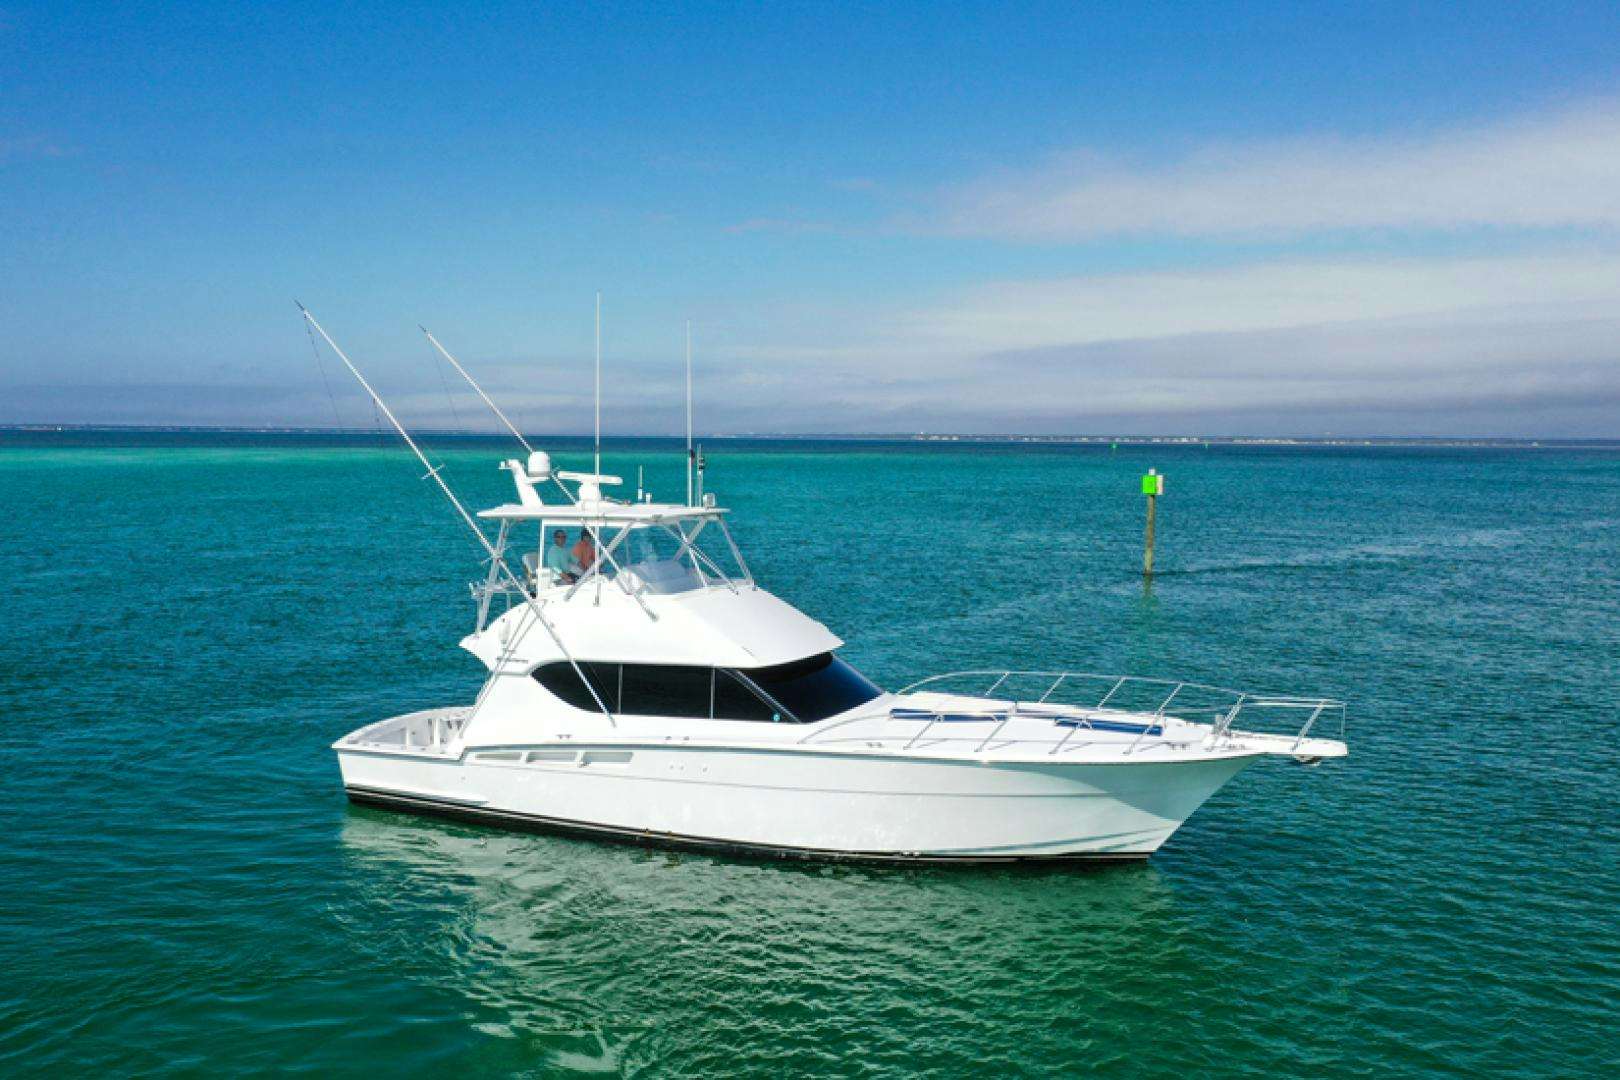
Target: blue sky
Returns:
[1085, 218]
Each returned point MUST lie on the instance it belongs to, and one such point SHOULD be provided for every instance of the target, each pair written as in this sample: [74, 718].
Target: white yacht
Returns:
[643, 687]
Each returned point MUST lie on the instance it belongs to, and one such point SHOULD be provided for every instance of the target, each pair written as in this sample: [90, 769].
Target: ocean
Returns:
[190, 621]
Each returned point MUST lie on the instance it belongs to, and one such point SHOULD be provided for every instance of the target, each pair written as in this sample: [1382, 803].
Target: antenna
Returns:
[688, 412]
[516, 434]
[598, 469]
[483, 541]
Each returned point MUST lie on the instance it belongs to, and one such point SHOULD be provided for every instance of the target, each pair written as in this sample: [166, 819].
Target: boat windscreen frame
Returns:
[708, 571]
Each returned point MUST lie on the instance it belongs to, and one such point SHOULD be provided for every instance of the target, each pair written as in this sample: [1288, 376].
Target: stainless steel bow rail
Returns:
[1094, 703]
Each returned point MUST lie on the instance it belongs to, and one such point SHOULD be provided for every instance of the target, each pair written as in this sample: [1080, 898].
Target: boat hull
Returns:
[804, 804]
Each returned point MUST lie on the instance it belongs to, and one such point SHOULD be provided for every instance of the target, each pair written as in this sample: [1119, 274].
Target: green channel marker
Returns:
[1152, 487]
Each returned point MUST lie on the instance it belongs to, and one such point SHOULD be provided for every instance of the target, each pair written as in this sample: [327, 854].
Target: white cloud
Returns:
[1527, 344]
[1481, 372]
[1089, 309]
[1549, 171]
[1110, 307]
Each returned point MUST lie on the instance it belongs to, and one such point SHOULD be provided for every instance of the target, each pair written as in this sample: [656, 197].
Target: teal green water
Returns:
[186, 629]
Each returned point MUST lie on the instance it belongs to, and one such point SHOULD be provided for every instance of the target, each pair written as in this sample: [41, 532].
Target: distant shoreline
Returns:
[1437, 441]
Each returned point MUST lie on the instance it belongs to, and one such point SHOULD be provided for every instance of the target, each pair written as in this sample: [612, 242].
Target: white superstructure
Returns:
[642, 686]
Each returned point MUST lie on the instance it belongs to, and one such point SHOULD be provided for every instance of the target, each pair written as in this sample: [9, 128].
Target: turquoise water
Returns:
[187, 627]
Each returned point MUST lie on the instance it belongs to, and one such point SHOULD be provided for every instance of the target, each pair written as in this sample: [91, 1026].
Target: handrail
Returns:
[1005, 710]
[1116, 682]
[1002, 676]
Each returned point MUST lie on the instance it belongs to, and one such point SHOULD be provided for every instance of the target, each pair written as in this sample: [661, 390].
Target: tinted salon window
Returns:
[734, 701]
[563, 681]
[808, 690]
[632, 689]
[665, 690]
[815, 688]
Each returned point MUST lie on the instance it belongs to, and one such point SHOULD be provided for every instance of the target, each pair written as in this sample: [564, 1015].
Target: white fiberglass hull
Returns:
[798, 802]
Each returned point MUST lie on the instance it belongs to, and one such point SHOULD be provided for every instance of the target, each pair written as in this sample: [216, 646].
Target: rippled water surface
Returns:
[187, 627]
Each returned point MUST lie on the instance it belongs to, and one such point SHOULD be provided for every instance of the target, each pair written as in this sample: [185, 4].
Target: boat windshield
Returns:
[658, 558]
[814, 688]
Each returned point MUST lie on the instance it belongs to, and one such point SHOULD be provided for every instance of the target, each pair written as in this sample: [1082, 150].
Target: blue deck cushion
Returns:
[1112, 725]
[945, 718]
[1119, 726]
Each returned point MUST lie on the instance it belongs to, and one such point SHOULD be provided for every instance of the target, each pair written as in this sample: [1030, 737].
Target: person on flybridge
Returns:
[585, 551]
[561, 561]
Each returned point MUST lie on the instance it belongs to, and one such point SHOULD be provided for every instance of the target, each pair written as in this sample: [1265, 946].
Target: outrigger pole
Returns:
[483, 541]
[479, 390]
[496, 409]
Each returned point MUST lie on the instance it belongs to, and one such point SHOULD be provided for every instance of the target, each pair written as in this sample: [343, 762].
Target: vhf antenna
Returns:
[598, 468]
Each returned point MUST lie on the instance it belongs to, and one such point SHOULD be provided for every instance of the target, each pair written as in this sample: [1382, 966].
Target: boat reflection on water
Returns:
[579, 956]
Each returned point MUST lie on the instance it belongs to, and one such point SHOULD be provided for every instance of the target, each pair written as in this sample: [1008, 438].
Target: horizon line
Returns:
[1128, 438]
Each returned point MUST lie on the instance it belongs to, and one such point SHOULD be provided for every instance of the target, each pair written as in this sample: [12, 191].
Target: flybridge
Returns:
[642, 547]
